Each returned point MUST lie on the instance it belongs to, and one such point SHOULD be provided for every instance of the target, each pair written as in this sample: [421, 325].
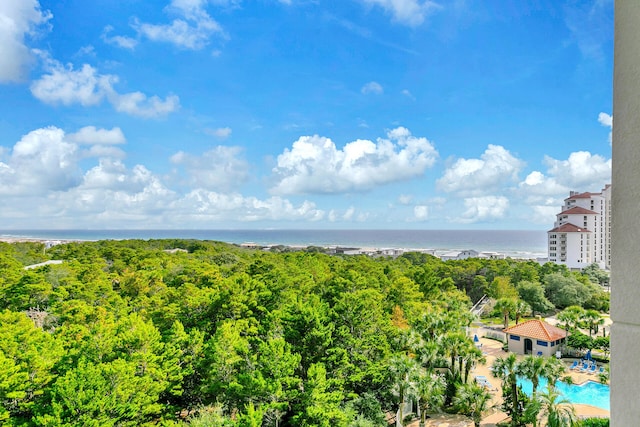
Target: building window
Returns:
[514, 337]
[542, 343]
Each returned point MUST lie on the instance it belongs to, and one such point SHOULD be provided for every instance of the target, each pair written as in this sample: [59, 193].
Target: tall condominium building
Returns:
[582, 230]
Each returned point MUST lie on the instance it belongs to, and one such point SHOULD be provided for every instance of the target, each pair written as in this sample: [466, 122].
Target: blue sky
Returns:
[213, 114]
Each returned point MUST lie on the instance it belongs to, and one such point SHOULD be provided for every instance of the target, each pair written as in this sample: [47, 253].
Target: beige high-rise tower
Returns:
[582, 230]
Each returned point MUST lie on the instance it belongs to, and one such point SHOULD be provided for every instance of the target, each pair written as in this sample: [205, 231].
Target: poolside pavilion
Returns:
[535, 337]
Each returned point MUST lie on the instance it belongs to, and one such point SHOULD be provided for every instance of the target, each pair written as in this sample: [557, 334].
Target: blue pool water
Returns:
[589, 393]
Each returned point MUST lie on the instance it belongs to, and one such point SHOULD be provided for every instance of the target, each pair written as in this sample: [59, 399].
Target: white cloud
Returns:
[405, 199]
[64, 85]
[536, 184]
[408, 12]
[495, 168]
[218, 169]
[315, 165]
[18, 18]
[137, 104]
[67, 86]
[372, 88]
[606, 120]
[348, 215]
[41, 161]
[205, 206]
[421, 212]
[484, 208]
[408, 94]
[92, 135]
[120, 41]
[191, 29]
[580, 170]
[221, 133]
[47, 159]
[42, 175]
[335, 215]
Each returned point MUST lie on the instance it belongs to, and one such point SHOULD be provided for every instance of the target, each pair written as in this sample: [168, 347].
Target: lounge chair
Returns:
[592, 369]
[584, 368]
[575, 365]
[601, 370]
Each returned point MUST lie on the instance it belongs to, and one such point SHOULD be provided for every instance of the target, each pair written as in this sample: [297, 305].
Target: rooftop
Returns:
[569, 228]
[578, 211]
[537, 329]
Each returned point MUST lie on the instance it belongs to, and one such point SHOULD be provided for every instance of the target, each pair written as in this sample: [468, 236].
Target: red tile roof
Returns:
[577, 210]
[569, 228]
[583, 195]
[537, 329]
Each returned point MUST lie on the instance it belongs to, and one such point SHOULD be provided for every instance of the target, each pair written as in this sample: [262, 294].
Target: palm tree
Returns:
[455, 344]
[553, 371]
[472, 400]
[404, 371]
[532, 368]
[593, 320]
[521, 309]
[556, 409]
[506, 369]
[470, 357]
[571, 316]
[429, 390]
[506, 306]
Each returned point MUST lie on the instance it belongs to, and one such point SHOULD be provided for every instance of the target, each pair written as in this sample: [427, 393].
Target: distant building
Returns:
[535, 337]
[582, 230]
[470, 253]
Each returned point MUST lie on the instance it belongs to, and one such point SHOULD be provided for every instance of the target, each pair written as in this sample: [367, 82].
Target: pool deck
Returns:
[493, 349]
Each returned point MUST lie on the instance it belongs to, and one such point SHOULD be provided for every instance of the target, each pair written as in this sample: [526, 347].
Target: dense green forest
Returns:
[197, 333]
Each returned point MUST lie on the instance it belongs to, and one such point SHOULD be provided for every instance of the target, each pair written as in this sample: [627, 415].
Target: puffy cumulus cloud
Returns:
[18, 19]
[315, 165]
[474, 177]
[484, 208]
[41, 175]
[191, 29]
[372, 88]
[606, 120]
[64, 85]
[221, 168]
[544, 193]
[537, 184]
[581, 170]
[46, 159]
[407, 12]
[41, 161]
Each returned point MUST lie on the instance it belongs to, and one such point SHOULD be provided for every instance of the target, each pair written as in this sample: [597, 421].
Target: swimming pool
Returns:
[589, 393]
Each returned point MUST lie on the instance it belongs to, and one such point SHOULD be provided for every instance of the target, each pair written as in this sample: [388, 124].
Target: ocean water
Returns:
[513, 243]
